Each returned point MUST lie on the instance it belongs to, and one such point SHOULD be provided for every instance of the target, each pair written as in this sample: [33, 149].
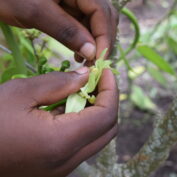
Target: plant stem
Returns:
[135, 24]
[5, 49]
[13, 45]
[53, 106]
[29, 66]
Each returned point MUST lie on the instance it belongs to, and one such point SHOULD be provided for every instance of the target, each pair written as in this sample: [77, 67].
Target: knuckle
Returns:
[70, 80]
[64, 78]
[60, 80]
[67, 33]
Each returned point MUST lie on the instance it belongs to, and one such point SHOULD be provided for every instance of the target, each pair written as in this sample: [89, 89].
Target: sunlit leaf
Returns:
[157, 75]
[137, 71]
[103, 54]
[123, 97]
[17, 76]
[172, 44]
[141, 100]
[155, 58]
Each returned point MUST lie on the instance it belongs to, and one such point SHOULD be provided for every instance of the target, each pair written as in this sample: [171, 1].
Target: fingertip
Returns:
[88, 50]
[107, 73]
[82, 70]
[107, 80]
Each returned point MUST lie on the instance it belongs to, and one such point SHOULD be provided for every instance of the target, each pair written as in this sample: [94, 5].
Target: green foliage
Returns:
[19, 61]
[140, 99]
[8, 74]
[155, 58]
[157, 75]
[77, 101]
[134, 22]
[65, 65]
[18, 76]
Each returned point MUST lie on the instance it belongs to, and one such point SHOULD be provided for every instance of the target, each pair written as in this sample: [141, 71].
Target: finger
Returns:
[88, 151]
[93, 122]
[65, 29]
[103, 22]
[53, 87]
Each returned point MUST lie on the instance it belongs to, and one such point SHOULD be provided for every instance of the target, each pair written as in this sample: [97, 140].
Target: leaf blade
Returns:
[155, 58]
[75, 103]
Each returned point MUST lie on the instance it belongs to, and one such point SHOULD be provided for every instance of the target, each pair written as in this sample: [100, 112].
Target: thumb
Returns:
[63, 27]
[52, 87]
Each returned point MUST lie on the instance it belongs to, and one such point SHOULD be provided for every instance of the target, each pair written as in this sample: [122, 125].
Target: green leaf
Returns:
[172, 44]
[155, 58]
[90, 86]
[136, 72]
[17, 76]
[53, 106]
[142, 101]
[75, 103]
[134, 21]
[103, 54]
[13, 45]
[123, 57]
[158, 76]
[7, 74]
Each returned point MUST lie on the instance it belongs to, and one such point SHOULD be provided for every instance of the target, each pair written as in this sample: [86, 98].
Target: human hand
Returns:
[85, 26]
[35, 143]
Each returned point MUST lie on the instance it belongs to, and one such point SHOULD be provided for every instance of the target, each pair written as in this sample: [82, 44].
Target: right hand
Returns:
[35, 143]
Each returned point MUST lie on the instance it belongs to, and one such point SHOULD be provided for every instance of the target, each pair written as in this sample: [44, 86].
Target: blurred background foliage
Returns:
[145, 55]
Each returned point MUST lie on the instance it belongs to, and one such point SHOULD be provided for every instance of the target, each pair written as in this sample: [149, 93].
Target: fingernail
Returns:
[82, 70]
[88, 50]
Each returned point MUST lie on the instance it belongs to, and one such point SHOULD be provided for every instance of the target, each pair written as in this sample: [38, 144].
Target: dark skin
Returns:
[35, 143]
[85, 26]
